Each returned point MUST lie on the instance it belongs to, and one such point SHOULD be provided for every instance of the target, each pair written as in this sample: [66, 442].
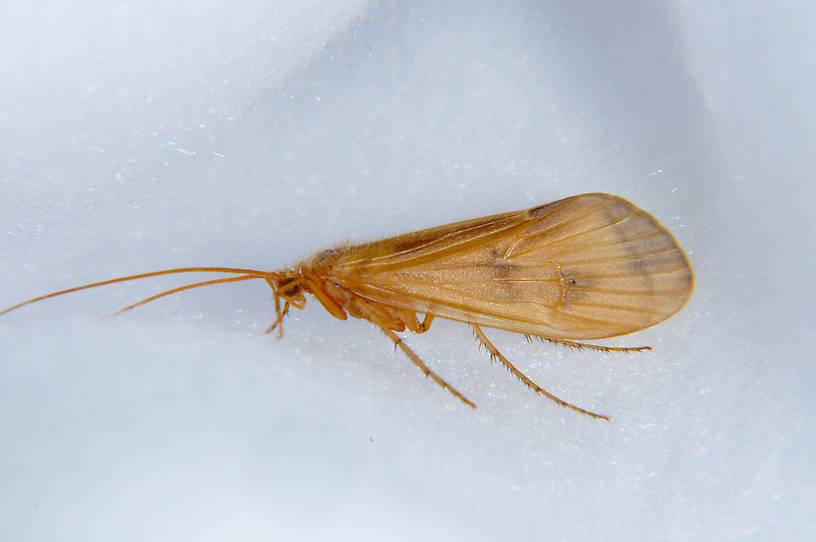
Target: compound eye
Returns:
[288, 288]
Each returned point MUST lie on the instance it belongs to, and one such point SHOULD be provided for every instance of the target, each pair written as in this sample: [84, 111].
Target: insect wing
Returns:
[586, 267]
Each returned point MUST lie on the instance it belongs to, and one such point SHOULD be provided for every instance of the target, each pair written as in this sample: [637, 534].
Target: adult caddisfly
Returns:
[586, 267]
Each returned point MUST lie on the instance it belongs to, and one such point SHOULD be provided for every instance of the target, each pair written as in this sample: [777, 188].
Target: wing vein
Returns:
[624, 257]
[612, 307]
[564, 223]
[444, 243]
[573, 236]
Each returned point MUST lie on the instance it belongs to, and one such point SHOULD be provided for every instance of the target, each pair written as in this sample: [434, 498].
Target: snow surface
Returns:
[138, 136]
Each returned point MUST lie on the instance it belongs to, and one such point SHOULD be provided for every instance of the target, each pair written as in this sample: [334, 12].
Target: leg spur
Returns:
[372, 316]
[495, 354]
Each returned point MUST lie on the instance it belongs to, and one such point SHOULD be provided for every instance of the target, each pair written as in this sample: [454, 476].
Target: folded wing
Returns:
[585, 267]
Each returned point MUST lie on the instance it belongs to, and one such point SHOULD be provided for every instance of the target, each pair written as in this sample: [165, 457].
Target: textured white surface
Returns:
[253, 133]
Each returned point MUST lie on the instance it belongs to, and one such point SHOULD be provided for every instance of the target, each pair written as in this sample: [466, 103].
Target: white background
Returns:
[152, 135]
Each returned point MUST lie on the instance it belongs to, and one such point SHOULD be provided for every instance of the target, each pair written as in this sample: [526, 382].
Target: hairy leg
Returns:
[598, 347]
[495, 354]
[386, 328]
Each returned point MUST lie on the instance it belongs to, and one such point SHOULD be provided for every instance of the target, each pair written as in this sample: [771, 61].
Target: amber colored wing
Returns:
[585, 267]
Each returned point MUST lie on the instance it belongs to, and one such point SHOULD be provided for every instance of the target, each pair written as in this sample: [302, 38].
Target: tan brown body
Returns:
[586, 267]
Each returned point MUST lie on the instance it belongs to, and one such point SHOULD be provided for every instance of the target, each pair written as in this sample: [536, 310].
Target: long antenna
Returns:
[183, 288]
[248, 273]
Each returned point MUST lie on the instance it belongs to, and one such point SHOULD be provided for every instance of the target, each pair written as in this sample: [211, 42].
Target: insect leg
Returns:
[597, 347]
[426, 323]
[422, 367]
[279, 318]
[495, 354]
[410, 320]
[372, 316]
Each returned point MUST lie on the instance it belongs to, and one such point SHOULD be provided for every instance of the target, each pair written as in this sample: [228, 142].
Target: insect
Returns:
[587, 267]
